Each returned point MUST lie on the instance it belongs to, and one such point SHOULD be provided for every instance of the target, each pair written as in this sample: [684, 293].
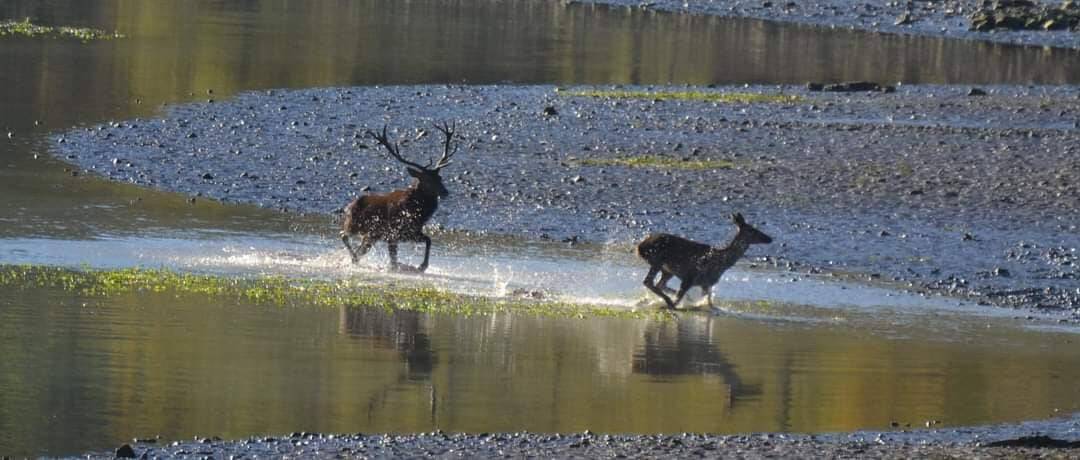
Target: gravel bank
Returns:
[927, 187]
[942, 18]
[1059, 438]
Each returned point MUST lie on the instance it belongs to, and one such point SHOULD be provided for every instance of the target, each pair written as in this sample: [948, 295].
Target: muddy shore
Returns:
[1059, 438]
[948, 18]
[930, 188]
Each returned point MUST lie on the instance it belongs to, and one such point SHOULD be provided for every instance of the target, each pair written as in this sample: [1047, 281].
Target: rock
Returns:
[904, 19]
[856, 86]
[208, 176]
[125, 451]
[814, 86]
[976, 92]
[550, 111]
[1037, 441]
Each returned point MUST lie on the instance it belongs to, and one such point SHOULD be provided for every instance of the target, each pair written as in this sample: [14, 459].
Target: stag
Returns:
[695, 264]
[401, 214]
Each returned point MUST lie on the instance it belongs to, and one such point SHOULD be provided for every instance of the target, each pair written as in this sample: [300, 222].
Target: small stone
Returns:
[976, 92]
[550, 111]
[208, 176]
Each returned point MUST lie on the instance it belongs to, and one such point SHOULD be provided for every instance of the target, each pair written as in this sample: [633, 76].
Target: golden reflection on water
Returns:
[86, 374]
[80, 375]
[181, 50]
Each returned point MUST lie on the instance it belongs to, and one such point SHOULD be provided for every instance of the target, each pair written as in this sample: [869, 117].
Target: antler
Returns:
[392, 148]
[448, 131]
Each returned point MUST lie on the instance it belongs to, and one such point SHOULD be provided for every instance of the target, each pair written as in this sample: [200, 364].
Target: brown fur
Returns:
[695, 264]
[399, 215]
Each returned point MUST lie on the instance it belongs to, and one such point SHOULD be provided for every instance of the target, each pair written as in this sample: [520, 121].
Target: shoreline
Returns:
[945, 19]
[1054, 438]
[926, 187]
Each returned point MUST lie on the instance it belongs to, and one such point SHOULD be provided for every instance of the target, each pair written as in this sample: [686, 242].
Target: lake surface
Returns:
[83, 373]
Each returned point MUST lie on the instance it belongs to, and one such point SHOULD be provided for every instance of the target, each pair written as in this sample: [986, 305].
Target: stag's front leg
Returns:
[391, 248]
[427, 251]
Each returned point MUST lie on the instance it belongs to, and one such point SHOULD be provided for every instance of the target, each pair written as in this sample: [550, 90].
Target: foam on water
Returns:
[529, 270]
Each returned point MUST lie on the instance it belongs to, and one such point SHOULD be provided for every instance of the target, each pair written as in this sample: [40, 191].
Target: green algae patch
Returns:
[659, 162]
[701, 96]
[277, 290]
[25, 28]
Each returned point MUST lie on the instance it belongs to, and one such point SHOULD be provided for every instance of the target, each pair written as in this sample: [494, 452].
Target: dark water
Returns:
[82, 373]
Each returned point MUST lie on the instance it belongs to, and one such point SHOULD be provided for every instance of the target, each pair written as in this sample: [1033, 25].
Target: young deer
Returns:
[694, 263]
[401, 214]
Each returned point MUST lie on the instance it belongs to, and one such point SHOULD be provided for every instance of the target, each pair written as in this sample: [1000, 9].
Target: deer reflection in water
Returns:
[398, 330]
[686, 347]
[403, 332]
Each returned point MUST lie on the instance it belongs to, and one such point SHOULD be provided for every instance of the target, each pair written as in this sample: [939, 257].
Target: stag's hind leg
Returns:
[650, 277]
[348, 247]
[356, 253]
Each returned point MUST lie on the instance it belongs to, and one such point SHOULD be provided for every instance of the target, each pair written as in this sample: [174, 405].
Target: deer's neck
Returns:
[731, 253]
[422, 202]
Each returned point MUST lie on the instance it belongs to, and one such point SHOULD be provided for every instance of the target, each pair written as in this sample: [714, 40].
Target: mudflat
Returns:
[970, 192]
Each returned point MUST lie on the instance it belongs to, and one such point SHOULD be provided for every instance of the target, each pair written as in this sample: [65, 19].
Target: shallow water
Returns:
[810, 356]
[784, 353]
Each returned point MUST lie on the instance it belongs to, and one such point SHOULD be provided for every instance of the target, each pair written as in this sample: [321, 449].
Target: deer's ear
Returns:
[414, 172]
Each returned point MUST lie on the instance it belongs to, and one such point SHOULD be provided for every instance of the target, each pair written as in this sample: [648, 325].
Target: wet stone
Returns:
[125, 451]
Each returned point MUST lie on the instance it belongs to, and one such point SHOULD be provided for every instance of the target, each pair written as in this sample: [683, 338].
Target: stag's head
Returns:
[428, 181]
[748, 232]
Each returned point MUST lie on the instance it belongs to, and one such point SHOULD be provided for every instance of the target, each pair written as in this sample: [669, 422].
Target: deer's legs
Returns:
[358, 252]
[348, 247]
[662, 282]
[391, 248]
[650, 277]
[427, 251]
[685, 286]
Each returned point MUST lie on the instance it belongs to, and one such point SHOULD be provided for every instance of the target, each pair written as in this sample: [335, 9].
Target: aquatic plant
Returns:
[659, 162]
[277, 290]
[26, 28]
[704, 96]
